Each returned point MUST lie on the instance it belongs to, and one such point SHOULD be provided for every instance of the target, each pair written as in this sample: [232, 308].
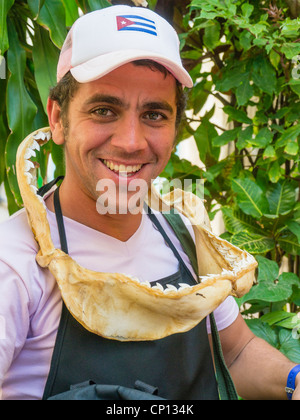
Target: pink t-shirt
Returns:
[30, 301]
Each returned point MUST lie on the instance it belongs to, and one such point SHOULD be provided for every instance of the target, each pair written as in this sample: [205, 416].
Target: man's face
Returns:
[121, 130]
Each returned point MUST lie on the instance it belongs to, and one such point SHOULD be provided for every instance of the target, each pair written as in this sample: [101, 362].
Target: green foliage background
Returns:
[253, 49]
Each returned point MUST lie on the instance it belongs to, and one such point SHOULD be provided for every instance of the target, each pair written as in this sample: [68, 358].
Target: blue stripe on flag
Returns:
[132, 28]
[137, 17]
[146, 25]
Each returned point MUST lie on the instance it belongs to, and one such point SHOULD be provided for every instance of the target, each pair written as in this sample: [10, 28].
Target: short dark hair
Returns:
[67, 87]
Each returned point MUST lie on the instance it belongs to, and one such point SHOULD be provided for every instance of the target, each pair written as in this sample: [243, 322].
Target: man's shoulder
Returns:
[16, 236]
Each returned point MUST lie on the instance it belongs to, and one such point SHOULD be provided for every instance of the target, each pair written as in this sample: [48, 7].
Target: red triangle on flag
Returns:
[123, 22]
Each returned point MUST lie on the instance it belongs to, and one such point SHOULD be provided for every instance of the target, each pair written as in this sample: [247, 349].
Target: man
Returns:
[116, 110]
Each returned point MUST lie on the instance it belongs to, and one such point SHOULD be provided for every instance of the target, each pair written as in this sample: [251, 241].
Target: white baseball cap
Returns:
[101, 41]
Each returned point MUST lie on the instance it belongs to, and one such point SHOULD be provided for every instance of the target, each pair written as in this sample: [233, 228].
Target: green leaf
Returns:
[253, 243]
[245, 40]
[245, 138]
[20, 108]
[247, 10]
[258, 29]
[295, 84]
[281, 197]
[232, 77]
[98, 4]
[267, 269]
[269, 289]
[263, 330]
[152, 4]
[275, 172]
[263, 138]
[294, 227]
[289, 345]
[53, 17]
[5, 6]
[72, 12]
[244, 93]
[290, 28]
[236, 221]
[269, 152]
[3, 138]
[35, 6]
[292, 148]
[58, 157]
[226, 137]
[250, 197]
[291, 323]
[290, 50]
[290, 134]
[203, 135]
[276, 317]
[211, 37]
[237, 115]
[45, 58]
[264, 75]
[11, 202]
[289, 243]
[275, 59]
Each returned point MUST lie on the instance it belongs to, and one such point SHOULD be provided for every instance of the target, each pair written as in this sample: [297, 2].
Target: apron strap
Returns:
[156, 222]
[226, 386]
[60, 223]
[45, 188]
[184, 236]
[225, 383]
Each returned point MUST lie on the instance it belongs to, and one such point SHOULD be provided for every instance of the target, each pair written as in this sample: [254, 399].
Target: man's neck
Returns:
[82, 208]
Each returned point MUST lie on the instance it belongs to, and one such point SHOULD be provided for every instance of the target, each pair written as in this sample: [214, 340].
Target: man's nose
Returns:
[130, 135]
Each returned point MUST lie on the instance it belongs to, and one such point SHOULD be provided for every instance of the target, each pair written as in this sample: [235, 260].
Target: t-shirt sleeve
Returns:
[14, 317]
[225, 314]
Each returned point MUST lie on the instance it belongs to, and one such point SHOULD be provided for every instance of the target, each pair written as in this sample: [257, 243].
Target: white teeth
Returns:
[35, 146]
[42, 136]
[29, 154]
[170, 288]
[135, 279]
[33, 189]
[184, 286]
[226, 272]
[28, 165]
[29, 177]
[159, 287]
[146, 283]
[122, 169]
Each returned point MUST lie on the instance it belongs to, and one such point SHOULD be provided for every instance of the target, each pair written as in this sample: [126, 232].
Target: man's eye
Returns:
[103, 112]
[155, 116]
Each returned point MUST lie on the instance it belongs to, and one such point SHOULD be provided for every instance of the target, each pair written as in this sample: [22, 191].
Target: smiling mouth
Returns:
[122, 170]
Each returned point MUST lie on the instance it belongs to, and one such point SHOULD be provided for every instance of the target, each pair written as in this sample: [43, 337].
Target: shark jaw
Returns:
[119, 306]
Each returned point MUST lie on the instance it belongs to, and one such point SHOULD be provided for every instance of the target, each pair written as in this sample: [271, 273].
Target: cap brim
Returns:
[100, 66]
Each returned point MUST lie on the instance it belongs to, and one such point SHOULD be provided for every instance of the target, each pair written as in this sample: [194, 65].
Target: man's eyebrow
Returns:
[162, 105]
[107, 99]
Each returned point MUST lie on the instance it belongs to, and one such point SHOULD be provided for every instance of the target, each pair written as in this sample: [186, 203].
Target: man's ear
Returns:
[55, 121]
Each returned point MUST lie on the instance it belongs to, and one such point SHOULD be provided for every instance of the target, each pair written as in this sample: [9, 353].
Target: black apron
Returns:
[179, 366]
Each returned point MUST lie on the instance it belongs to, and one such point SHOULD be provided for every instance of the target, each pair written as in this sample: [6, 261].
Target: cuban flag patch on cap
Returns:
[136, 23]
